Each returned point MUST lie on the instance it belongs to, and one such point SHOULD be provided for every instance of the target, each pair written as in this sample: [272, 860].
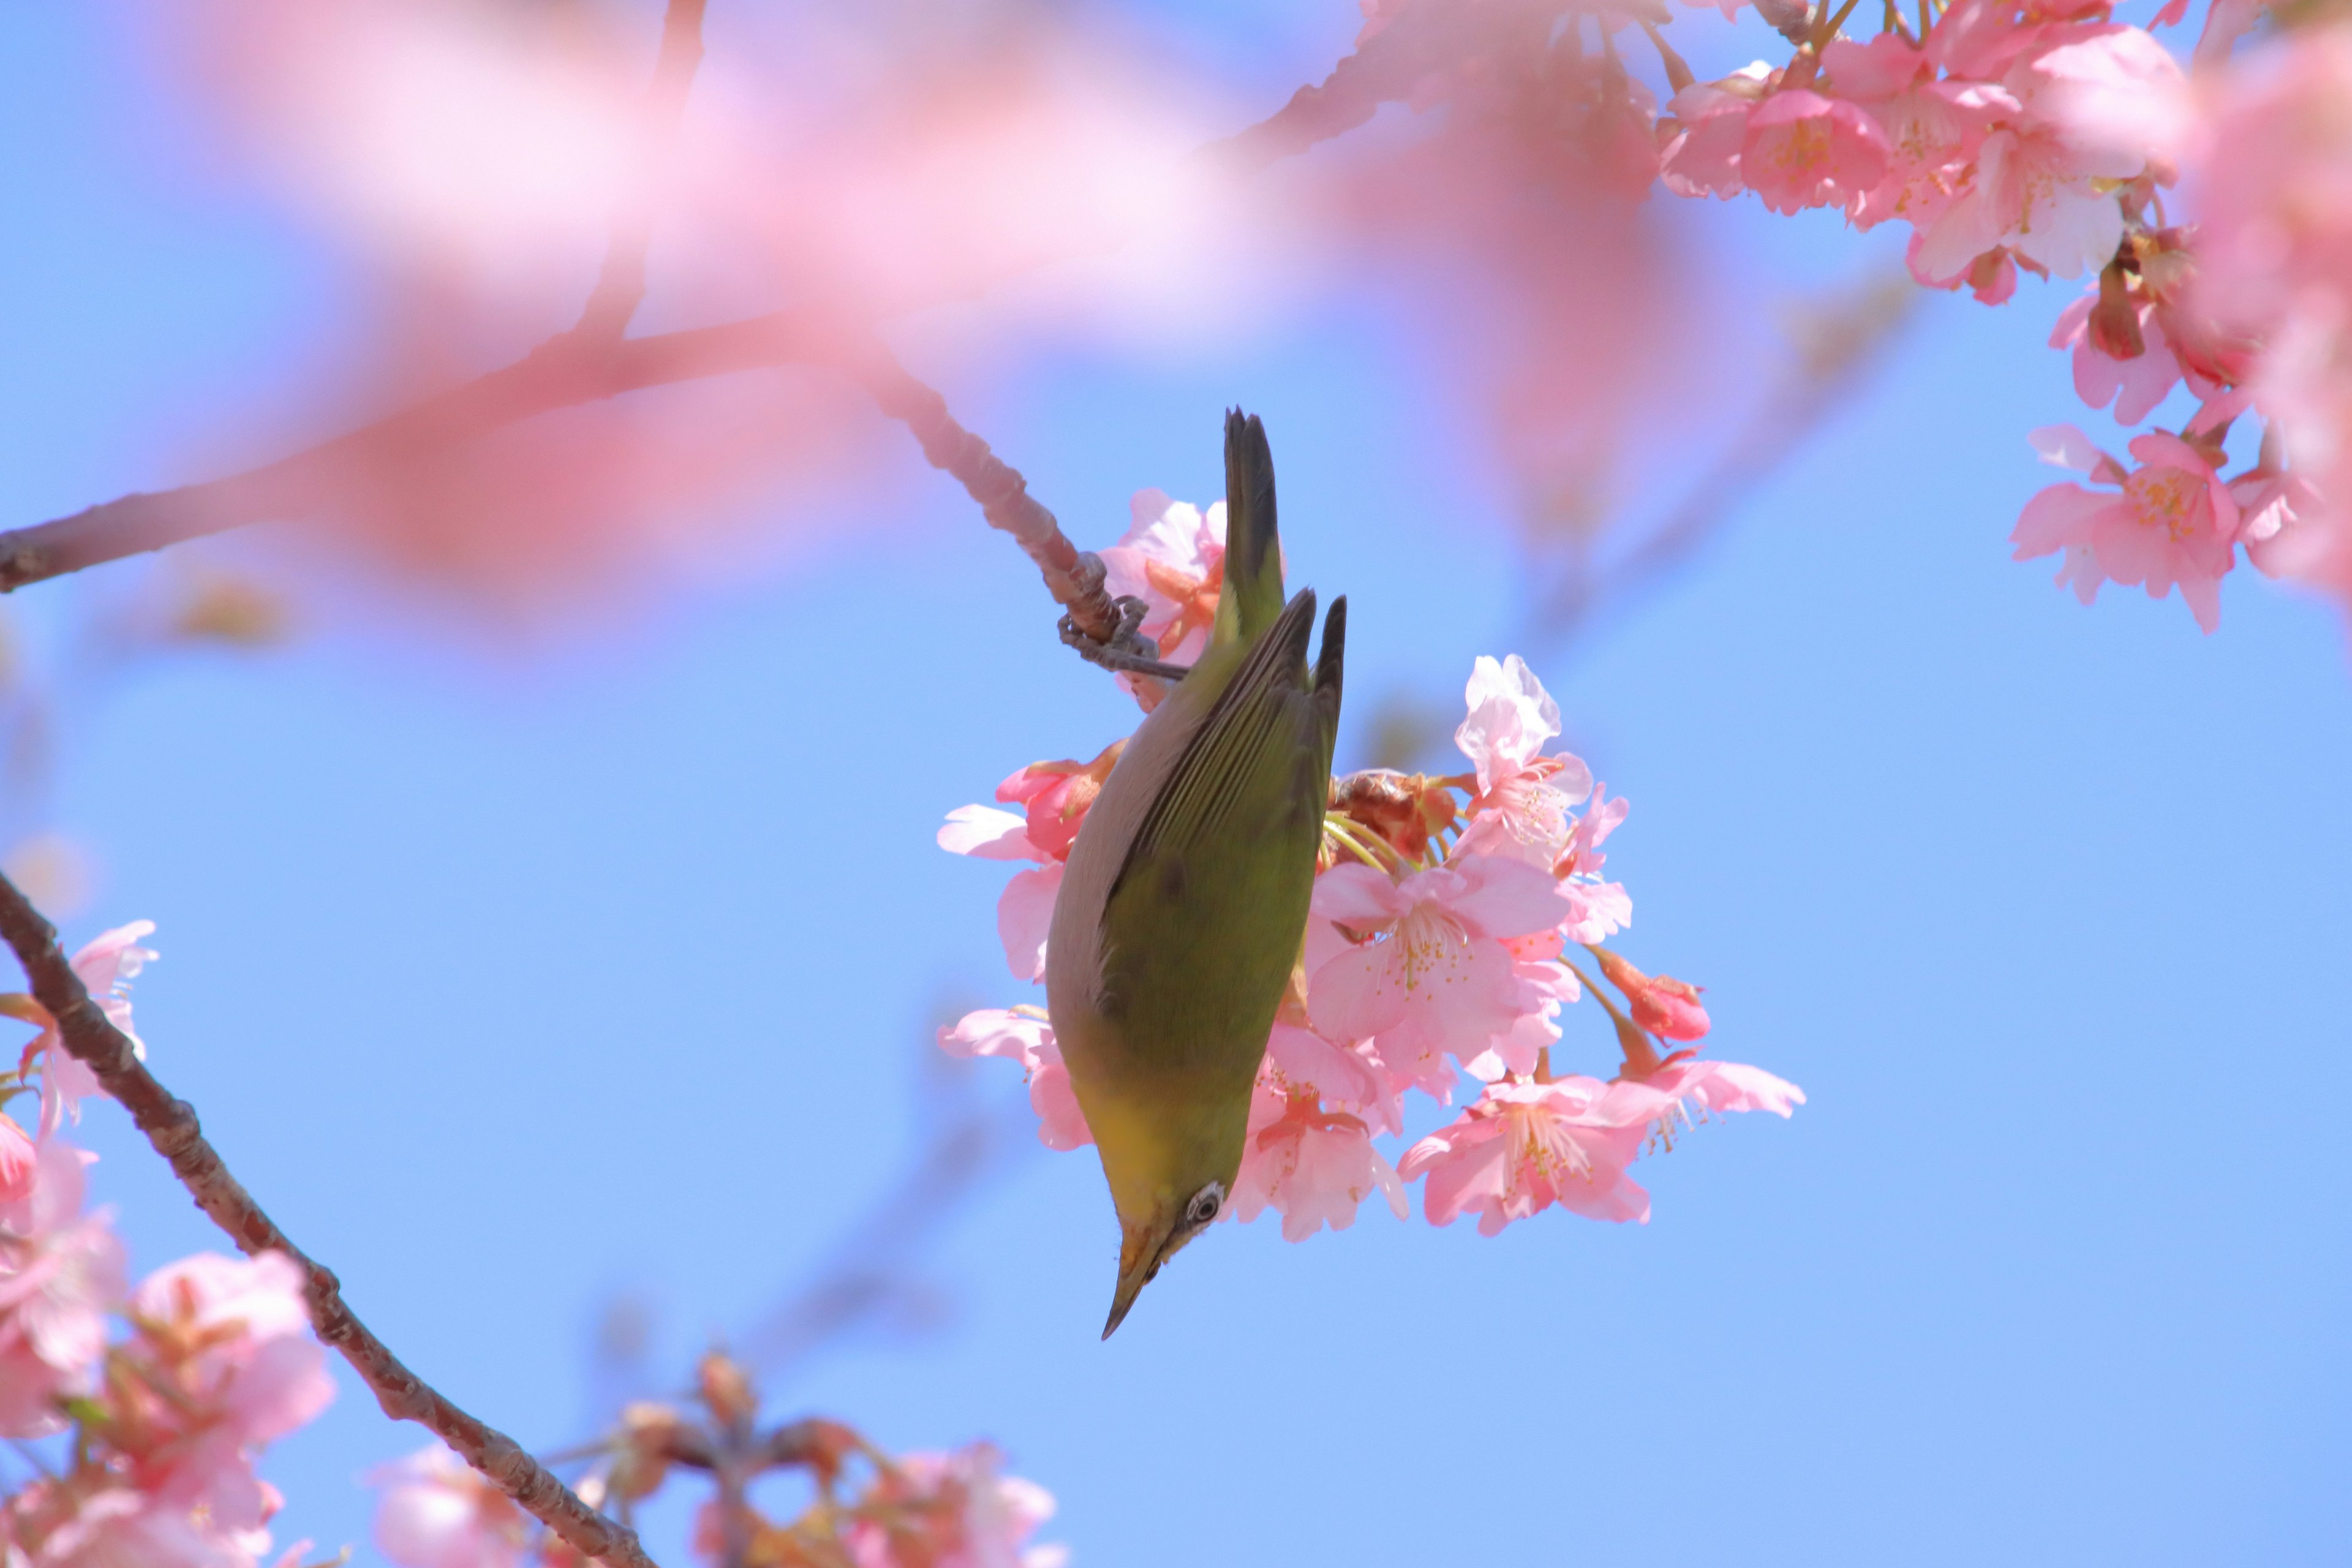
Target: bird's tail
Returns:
[1251, 600]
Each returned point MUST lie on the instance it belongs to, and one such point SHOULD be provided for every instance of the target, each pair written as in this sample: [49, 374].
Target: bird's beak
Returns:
[1139, 1261]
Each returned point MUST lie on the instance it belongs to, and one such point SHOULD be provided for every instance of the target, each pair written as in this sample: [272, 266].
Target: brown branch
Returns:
[171, 1126]
[621, 285]
[1074, 577]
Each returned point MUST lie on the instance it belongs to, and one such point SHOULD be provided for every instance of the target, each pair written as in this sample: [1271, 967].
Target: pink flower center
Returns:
[1543, 1148]
[2165, 498]
[1801, 146]
[1430, 944]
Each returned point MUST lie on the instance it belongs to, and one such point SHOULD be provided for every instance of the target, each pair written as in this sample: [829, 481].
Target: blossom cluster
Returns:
[166, 1393]
[1441, 946]
[955, 1510]
[2043, 136]
[2039, 134]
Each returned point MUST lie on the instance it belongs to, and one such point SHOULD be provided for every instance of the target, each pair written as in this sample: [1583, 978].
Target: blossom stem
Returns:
[171, 1126]
[1340, 828]
[1679, 72]
[1593, 986]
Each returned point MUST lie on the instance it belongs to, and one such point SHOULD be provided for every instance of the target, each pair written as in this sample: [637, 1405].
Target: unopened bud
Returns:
[726, 1389]
[1405, 810]
[2115, 319]
[641, 1452]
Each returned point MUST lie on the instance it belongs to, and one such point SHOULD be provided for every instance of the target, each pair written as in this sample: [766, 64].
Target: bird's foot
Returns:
[1127, 652]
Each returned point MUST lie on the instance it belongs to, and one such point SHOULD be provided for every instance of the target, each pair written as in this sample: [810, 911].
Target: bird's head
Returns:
[1171, 1164]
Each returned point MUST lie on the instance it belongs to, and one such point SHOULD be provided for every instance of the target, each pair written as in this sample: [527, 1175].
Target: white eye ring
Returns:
[1206, 1205]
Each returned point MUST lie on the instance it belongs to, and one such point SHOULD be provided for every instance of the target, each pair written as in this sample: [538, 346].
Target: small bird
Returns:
[1182, 910]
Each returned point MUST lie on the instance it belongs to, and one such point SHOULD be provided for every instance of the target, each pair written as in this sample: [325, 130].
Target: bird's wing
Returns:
[1252, 727]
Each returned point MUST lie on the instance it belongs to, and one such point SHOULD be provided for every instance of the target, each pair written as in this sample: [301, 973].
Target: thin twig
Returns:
[621, 285]
[170, 1125]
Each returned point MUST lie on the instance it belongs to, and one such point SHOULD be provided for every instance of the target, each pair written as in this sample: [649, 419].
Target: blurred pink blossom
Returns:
[957, 1509]
[20, 1164]
[1800, 150]
[435, 1510]
[61, 1272]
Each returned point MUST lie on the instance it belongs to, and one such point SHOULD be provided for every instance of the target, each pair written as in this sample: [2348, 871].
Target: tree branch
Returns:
[562, 373]
[559, 373]
[1382, 69]
[171, 1126]
[1074, 577]
[621, 285]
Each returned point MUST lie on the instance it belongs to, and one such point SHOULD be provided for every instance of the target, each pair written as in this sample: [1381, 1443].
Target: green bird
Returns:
[1181, 911]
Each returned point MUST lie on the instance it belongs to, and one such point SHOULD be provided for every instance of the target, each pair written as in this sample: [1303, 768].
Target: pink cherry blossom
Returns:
[227, 1364]
[1426, 973]
[1314, 1164]
[1172, 557]
[1346, 1077]
[106, 967]
[61, 1272]
[1025, 911]
[2174, 523]
[2135, 386]
[1523, 1147]
[1703, 157]
[122, 1527]
[1720, 1086]
[1056, 796]
[255, 1360]
[19, 1164]
[1545, 985]
[2275, 253]
[1800, 150]
[2113, 92]
[1023, 1035]
[1978, 40]
[1933, 127]
[1524, 798]
[434, 1510]
[2035, 194]
[2285, 531]
[1580, 856]
[951, 1511]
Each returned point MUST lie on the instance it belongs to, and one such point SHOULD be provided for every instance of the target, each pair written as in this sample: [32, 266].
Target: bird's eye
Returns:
[1206, 1205]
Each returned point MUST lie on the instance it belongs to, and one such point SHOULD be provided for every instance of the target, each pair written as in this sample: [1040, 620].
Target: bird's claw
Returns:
[1127, 652]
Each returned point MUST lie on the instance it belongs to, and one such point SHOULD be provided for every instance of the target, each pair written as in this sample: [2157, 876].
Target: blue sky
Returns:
[516, 978]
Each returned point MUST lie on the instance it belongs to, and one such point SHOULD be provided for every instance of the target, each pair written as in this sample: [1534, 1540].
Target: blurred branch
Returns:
[171, 1126]
[621, 285]
[1838, 347]
[1382, 69]
[861, 1280]
[559, 373]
